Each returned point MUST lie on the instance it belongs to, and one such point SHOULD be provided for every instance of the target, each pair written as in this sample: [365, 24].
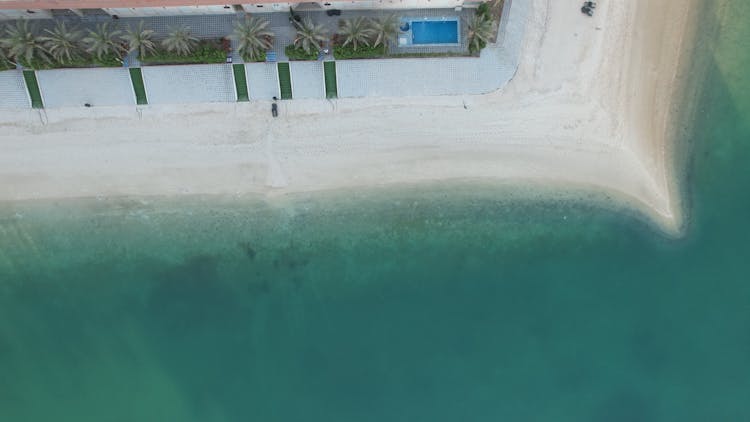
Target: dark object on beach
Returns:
[274, 110]
[333, 12]
[588, 8]
[87, 105]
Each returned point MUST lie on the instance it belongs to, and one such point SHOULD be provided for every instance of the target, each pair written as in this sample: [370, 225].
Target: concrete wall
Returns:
[262, 80]
[75, 87]
[307, 79]
[13, 92]
[8, 14]
[195, 83]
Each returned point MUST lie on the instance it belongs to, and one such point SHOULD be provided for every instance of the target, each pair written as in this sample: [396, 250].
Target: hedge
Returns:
[420, 54]
[362, 52]
[294, 53]
[107, 60]
[206, 52]
[261, 58]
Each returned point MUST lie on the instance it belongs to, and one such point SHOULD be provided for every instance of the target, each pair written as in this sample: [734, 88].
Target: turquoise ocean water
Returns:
[416, 305]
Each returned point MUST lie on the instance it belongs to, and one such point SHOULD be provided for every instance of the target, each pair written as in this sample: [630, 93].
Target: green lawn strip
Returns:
[33, 87]
[329, 69]
[240, 82]
[285, 81]
[140, 90]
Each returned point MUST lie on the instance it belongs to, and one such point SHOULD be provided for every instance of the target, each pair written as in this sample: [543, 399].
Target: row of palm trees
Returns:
[254, 37]
[23, 43]
[357, 32]
[64, 44]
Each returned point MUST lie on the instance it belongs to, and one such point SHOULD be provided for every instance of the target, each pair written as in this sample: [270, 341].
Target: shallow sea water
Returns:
[442, 304]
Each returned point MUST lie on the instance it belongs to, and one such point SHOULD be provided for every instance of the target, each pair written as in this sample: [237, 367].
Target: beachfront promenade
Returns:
[392, 77]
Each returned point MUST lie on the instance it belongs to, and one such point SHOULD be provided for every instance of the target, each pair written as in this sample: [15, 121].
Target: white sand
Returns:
[589, 108]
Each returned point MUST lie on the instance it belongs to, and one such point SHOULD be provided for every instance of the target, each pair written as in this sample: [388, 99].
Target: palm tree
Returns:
[180, 41]
[253, 37]
[355, 31]
[310, 36]
[384, 30]
[480, 31]
[22, 44]
[63, 44]
[139, 39]
[103, 41]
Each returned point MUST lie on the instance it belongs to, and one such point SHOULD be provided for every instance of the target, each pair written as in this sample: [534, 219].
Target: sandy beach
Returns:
[590, 107]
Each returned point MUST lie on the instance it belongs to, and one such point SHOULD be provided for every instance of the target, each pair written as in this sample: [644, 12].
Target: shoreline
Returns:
[685, 105]
[557, 123]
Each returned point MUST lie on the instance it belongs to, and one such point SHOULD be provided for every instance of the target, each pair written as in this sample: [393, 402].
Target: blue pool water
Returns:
[434, 32]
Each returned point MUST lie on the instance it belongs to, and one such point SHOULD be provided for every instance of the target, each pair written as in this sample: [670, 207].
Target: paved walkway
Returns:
[262, 81]
[13, 90]
[193, 83]
[307, 80]
[75, 87]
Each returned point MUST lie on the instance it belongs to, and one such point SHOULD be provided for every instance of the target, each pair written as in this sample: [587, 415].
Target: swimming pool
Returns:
[432, 31]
